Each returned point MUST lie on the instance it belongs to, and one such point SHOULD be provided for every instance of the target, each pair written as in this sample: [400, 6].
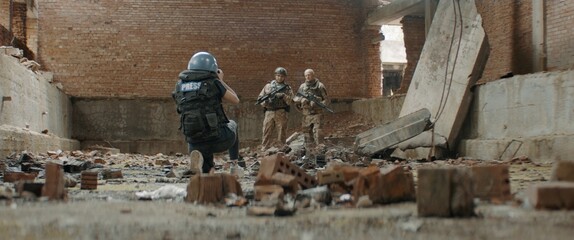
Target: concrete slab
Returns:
[439, 65]
[382, 137]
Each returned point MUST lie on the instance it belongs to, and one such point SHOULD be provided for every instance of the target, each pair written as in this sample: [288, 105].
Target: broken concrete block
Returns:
[30, 64]
[491, 182]
[551, 195]
[12, 51]
[54, 186]
[280, 163]
[389, 134]
[394, 184]
[445, 192]
[563, 171]
[89, 180]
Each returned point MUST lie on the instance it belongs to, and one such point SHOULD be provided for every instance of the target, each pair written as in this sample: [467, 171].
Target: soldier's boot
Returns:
[196, 163]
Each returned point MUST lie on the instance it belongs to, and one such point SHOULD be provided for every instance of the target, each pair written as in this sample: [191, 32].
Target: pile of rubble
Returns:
[281, 184]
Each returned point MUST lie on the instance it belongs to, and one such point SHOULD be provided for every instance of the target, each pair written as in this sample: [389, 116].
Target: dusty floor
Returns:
[114, 210]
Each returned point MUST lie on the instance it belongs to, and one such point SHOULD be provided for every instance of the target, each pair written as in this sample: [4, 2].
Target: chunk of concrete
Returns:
[382, 137]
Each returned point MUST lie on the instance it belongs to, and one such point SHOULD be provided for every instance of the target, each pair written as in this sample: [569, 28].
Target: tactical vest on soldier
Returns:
[202, 114]
[313, 89]
[277, 103]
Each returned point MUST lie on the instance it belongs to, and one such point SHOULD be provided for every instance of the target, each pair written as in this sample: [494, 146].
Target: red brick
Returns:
[231, 185]
[279, 163]
[491, 182]
[89, 180]
[205, 188]
[268, 192]
[563, 171]
[392, 185]
[54, 186]
[19, 176]
[445, 192]
[212, 188]
[551, 195]
[330, 176]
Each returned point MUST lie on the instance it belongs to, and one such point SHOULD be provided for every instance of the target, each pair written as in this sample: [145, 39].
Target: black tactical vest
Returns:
[201, 112]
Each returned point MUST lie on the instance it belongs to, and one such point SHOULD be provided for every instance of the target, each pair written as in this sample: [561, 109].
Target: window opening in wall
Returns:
[393, 58]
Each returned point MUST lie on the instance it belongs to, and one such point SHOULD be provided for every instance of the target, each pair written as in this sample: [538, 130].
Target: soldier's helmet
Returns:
[281, 71]
[203, 61]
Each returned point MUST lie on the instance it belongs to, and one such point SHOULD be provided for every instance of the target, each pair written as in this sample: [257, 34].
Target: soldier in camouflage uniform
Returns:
[311, 112]
[276, 108]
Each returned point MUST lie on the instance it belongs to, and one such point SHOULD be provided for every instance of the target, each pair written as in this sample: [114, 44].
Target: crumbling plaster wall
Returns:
[30, 105]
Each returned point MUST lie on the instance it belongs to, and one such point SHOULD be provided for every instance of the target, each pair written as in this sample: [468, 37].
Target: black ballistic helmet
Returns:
[203, 61]
[281, 71]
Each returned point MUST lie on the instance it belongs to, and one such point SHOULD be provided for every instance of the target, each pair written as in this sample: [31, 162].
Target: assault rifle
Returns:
[269, 95]
[314, 99]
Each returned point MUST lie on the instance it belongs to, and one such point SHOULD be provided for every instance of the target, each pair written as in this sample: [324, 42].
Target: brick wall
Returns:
[5, 13]
[414, 32]
[137, 48]
[560, 37]
[19, 20]
[509, 31]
